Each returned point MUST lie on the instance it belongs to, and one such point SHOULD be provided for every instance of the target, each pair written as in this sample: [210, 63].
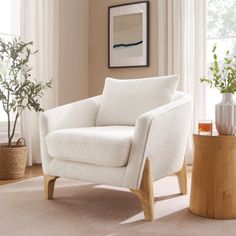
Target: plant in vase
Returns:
[17, 93]
[223, 78]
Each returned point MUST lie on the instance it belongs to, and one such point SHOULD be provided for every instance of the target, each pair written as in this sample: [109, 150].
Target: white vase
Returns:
[225, 115]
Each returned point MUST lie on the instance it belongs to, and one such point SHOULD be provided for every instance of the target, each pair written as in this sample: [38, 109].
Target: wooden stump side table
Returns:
[213, 190]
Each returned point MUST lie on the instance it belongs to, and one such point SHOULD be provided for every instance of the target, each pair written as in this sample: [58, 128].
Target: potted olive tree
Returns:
[17, 93]
[223, 78]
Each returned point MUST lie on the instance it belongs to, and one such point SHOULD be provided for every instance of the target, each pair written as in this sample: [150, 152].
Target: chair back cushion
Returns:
[123, 101]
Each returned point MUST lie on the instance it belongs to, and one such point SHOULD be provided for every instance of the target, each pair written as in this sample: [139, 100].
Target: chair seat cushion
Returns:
[101, 145]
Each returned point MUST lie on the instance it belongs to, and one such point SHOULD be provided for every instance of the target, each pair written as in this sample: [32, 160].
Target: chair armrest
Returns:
[161, 135]
[82, 113]
[74, 115]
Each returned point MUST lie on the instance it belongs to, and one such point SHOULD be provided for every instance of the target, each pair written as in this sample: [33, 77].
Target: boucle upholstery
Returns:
[160, 134]
[104, 145]
[123, 101]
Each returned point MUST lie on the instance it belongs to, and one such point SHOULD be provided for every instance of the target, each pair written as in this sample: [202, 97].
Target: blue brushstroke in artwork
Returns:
[121, 45]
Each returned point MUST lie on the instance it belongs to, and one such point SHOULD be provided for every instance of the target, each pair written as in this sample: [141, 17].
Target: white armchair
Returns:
[130, 156]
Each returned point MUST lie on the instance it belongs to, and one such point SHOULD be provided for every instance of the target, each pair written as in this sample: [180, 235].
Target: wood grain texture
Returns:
[49, 183]
[182, 178]
[145, 193]
[213, 191]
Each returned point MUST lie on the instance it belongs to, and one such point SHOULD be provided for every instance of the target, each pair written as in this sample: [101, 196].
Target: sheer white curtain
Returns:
[182, 49]
[39, 23]
[9, 28]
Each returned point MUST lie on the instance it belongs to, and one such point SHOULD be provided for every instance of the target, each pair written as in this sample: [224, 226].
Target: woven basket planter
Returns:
[12, 162]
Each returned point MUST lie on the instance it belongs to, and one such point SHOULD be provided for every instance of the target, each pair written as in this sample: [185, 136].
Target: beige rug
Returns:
[82, 209]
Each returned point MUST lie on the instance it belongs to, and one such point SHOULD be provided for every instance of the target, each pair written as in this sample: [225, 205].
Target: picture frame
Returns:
[128, 35]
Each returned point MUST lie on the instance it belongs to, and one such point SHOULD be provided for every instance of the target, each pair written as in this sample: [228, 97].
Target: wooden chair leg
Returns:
[182, 178]
[145, 193]
[49, 182]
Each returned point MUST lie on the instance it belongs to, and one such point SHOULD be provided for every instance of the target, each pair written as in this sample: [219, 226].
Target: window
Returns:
[9, 27]
[221, 30]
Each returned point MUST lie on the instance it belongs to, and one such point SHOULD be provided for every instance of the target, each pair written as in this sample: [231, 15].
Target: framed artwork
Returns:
[128, 35]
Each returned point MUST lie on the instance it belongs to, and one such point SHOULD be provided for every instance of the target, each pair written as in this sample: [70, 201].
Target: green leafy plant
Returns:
[223, 76]
[17, 90]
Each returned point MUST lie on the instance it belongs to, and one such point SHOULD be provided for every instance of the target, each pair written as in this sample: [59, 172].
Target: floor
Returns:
[81, 208]
[30, 172]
